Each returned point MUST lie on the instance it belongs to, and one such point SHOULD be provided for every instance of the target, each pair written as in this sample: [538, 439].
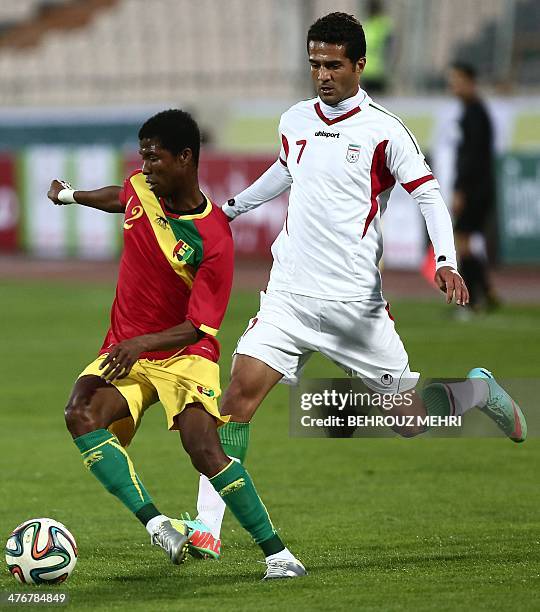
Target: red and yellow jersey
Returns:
[173, 268]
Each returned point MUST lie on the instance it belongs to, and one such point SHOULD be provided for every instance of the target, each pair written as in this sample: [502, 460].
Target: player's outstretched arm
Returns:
[408, 166]
[106, 198]
[267, 187]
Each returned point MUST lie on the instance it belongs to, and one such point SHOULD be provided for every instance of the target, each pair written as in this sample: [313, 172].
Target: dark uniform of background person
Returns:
[474, 188]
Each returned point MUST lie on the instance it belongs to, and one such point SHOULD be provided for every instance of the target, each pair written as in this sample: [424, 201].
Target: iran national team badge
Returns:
[182, 251]
[353, 153]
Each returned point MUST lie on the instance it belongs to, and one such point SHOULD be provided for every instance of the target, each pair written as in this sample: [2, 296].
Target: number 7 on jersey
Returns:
[302, 144]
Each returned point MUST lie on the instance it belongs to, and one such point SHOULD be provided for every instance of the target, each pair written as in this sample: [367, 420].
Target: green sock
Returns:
[104, 456]
[234, 438]
[436, 400]
[237, 490]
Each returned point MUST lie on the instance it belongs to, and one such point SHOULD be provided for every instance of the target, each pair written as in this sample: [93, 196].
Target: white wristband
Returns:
[446, 263]
[229, 210]
[66, 196]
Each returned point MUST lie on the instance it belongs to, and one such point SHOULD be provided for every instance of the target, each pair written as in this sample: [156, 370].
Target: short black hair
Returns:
[467, 69]
[175, 130]
[340, 29]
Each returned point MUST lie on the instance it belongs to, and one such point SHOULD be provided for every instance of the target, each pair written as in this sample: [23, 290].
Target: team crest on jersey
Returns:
[353, 153]
[205, 391]
[182, 251]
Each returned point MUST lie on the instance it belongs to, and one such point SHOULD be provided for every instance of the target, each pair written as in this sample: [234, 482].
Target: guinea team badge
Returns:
[353, 153]
[182, 251]
[205, 391]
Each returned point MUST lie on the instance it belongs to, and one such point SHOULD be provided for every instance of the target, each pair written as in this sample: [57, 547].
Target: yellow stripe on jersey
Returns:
[208, 330]
[164, 235]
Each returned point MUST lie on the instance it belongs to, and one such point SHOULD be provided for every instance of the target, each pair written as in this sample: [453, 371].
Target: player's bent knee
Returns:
[200, 440]
[79, 417]
[205, 453]
[94, 404]
[84, 413]
[206, 458]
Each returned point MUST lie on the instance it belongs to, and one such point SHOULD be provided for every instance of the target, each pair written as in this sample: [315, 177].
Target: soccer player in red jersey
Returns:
[173, 287]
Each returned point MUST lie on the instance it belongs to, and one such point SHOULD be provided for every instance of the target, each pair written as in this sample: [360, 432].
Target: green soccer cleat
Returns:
[501, 408]
[277, 569]
[202, 544]
[173, 536]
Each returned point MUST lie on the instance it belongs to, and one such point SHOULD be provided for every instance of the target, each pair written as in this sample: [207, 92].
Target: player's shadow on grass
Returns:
[193, 577]
[152, 588]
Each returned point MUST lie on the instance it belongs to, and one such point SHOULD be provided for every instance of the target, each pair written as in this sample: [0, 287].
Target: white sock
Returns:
[468, 394]
[155, 522]
[284, 554]
[210, 506]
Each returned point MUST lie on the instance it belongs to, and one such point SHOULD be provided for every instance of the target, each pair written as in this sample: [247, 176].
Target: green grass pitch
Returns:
[388, 524]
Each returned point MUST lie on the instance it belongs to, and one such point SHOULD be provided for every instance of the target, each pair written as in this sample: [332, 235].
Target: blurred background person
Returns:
[378, 30]
[474, 186]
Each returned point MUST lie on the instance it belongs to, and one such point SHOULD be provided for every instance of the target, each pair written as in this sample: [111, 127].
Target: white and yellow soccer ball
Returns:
[41, 551]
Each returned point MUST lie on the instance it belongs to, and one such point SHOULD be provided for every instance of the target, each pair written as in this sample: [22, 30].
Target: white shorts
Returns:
[359, 337]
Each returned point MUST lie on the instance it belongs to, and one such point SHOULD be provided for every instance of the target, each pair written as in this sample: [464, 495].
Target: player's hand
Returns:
[121, 358]
[55, 188]
[451, 283]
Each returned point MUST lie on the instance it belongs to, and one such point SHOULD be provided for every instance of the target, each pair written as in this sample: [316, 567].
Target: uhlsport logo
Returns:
[353, 153]
[327, 134]
[205, 391]
[182, 251]
[387, 379]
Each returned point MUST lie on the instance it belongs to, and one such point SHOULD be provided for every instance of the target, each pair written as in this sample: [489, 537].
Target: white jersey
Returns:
[331, 242]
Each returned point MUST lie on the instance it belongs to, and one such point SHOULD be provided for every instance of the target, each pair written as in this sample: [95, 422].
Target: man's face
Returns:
[334, 75]
[163, 170]
[460, 84]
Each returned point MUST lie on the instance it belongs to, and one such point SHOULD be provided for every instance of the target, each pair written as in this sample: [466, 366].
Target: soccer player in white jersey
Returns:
[341, 154]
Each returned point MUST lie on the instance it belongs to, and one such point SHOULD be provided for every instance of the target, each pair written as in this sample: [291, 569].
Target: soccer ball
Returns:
[40, 551]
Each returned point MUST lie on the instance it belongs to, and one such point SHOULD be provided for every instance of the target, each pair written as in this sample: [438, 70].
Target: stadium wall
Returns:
[92, 149]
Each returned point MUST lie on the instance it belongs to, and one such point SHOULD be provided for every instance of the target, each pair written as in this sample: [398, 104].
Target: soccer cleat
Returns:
[173, 536]
[283, 568]
[501, 408]
[202, 543]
